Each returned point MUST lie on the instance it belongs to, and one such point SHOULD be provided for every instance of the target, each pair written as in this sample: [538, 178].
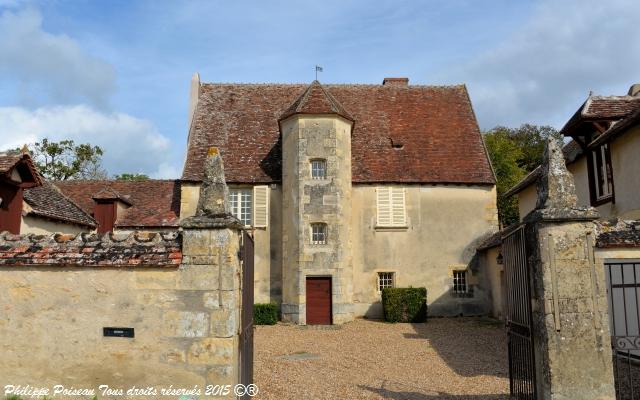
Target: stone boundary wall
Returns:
[618, 234]
[59, 292]
[145, 249]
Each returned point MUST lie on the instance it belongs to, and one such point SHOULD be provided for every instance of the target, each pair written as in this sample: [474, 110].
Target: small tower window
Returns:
[318, 233]
[318, 169]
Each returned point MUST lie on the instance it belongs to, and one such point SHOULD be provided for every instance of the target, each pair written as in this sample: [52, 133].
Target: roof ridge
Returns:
[443, 86]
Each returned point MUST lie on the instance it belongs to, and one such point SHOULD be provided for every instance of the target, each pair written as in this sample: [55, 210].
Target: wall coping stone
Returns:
[134, 249]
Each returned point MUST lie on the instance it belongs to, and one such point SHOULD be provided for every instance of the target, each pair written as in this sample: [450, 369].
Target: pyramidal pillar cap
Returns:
[213, 205]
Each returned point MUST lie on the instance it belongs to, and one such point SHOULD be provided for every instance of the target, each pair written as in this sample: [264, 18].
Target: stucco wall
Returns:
[527, 200]
[495, 277]
[186, 320]
[444, 225]
[43, 226]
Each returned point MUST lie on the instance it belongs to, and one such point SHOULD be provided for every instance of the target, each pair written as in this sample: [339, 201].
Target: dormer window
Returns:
[105, 211]
[318, 169]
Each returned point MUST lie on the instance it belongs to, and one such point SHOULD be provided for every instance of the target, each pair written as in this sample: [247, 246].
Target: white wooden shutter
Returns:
[391, 206]
[398, 214]
[261, 206]
[384, 206]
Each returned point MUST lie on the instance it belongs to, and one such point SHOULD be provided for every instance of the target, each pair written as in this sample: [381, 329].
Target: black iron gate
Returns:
[518, 316]
[623, 287]
[246, 335]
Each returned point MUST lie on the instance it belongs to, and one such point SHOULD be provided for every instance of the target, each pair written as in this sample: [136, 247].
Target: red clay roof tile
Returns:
[436, 125]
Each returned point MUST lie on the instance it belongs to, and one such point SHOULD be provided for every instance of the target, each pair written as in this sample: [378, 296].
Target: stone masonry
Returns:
[180, 292]
[310, 201]
[570, 320]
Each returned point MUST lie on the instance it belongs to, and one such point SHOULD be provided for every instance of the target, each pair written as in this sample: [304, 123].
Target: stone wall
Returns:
[180, 293]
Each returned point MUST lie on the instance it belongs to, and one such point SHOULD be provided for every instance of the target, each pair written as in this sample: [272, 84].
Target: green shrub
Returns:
[404, 304]
[265, 314]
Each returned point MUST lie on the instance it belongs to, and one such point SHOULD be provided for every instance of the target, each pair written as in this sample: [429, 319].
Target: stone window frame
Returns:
[318, 237]
[318, 168]
[243, 209]
[460, 281]
[379, 280]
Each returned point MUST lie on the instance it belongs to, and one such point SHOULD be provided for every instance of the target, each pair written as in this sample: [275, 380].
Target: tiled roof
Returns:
[618, 233]
[606, 108]
[435, 125]
[154, 203]
[47, 201]
[571, 151]
[107, 193]
[9, 159]
[316, 100]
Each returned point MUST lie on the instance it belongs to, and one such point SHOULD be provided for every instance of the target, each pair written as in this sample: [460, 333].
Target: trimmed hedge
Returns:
[404, 304]
[265, 314]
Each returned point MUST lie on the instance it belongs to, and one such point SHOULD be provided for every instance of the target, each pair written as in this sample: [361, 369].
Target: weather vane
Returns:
[318, 69]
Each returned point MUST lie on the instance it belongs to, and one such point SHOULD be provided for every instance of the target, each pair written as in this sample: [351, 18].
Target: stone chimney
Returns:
[396, 82]
[194, 94]
[634, 90]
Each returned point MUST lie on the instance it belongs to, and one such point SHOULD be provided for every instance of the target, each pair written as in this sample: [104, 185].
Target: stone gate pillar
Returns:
[568, 293]
[211, 272]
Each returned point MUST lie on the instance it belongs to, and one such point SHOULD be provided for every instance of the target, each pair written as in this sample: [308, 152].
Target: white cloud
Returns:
[130, 144]
[544, 71]
[53, 63]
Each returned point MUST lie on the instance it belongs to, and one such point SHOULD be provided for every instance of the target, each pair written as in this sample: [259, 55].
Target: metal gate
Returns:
[623, 286]
[246, 335]
[522, 378]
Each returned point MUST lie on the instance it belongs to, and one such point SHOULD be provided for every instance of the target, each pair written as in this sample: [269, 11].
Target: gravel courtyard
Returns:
[459, 358]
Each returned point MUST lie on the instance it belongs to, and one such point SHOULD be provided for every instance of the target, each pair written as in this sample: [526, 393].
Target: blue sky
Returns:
[117, 73]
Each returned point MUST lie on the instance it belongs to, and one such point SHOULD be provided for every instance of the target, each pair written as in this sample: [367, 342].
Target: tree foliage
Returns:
[514, 152]
[131, 177]
[65, 160]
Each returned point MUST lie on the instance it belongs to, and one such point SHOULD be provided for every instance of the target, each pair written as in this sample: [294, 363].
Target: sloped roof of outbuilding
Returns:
[154, 203]
[47, 201]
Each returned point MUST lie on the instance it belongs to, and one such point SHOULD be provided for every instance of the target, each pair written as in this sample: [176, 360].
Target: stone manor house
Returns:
[346, 189]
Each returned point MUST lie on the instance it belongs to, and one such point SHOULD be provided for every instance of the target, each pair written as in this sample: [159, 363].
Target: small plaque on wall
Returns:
[118, 332]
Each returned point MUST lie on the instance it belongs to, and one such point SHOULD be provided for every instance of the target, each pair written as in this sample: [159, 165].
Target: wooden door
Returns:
[318, 300]
[10, 208]
[105, 215]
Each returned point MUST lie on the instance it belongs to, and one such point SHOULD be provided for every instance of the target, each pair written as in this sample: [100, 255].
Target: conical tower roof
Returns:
[316, 100]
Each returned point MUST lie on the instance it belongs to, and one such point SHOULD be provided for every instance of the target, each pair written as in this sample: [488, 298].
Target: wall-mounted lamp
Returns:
[500, 259]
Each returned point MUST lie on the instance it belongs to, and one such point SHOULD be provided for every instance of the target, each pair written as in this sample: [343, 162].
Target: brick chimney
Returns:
[396, 82]
[634, 90]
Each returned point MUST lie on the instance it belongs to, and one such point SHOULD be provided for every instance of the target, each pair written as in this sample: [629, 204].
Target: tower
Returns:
[316, 180]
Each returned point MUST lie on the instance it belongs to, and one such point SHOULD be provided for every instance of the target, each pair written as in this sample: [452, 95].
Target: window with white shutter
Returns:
[391, 207]
[261, 206]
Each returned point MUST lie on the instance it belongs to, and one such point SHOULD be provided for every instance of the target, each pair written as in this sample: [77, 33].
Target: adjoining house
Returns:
[350, 189]
[602, 155]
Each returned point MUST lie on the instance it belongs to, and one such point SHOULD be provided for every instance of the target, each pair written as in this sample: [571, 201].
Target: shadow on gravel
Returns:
[402, 395]
[470, 346]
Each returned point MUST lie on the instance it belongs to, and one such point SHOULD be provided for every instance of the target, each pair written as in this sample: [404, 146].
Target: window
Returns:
[385, 280]
[391, 207]
[319, 233]
[318, 169]
[601, 175]
[460, 282]
[241, 204]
